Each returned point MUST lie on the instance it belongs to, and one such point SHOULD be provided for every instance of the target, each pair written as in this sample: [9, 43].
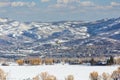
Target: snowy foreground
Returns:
[60, 71]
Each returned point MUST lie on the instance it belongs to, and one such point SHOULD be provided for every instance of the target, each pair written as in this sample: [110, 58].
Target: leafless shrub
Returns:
[50, 77]
[94, 75]
[35, 61]
[20, 62]
[2, 75]
[70, 77]
[105, 76]
[117, 61]
[119, 69]
[116, 74]
[44, 76]
[36, 77]
[49, 61]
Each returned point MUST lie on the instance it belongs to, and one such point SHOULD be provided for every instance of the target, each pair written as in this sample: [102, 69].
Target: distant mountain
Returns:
[59, 39]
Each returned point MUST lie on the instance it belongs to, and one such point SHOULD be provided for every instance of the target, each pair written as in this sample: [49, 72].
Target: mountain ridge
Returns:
[66, 37]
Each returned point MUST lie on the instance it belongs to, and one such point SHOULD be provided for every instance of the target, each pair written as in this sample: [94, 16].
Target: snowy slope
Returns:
[69, 36]
[60, 71]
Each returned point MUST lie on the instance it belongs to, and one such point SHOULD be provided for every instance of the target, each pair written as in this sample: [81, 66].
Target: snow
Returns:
[3, 20]
[79, 72]
[15, 23]
[17, 28]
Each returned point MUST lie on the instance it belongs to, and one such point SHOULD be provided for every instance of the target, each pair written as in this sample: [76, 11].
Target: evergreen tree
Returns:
[92, 61]
[110, 61]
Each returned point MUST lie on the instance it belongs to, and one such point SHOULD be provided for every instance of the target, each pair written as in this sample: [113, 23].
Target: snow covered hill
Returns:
[58, 37]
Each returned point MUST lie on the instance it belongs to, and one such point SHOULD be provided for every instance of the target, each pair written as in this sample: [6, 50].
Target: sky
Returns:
[59, 10]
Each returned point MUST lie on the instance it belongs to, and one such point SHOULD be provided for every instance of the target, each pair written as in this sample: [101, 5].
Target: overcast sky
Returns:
[59, 10]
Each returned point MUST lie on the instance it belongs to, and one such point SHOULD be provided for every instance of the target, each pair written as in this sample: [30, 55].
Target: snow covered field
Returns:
[60, 71]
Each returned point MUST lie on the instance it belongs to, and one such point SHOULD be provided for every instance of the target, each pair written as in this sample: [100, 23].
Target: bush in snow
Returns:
[105, 76]
[50, 77]
[70, 77]
[116, 74]
[94, 75]
[49, 61]
[35, 61]
[44, 76]
[36, 77]
[117, 61]
[20, 62]
[2, 75]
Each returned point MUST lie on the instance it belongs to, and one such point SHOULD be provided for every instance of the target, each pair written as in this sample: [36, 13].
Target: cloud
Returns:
[112, 5]
[45, 0]
[20, 4]
[67, 1]
[87, 3]
[115, 4]
[79, 5]
[73, 3]
[3, 4]
[17, 4]
[78, 2]
[98, 7]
